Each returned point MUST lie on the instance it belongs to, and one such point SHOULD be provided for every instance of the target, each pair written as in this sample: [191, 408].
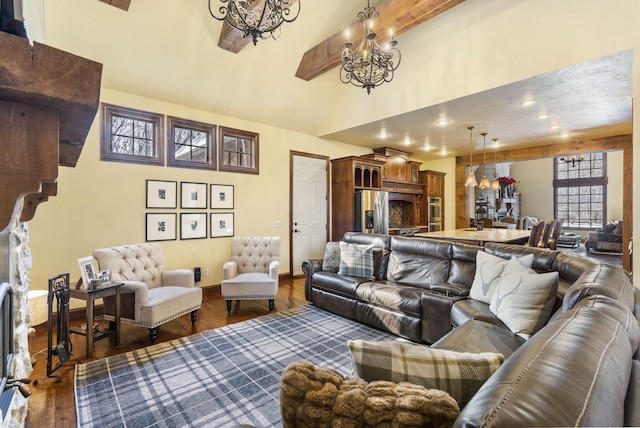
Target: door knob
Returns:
[296, 231]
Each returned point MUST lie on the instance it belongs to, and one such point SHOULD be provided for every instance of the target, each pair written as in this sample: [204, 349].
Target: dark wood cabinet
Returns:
[433, 188]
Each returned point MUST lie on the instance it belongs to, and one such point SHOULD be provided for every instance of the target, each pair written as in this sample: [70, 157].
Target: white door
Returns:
[309, 210]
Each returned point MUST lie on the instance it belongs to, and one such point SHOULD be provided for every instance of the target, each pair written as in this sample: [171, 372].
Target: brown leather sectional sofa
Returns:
[581, 369]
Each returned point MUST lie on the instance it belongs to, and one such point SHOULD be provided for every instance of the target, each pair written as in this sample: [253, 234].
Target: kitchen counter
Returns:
[479, 237]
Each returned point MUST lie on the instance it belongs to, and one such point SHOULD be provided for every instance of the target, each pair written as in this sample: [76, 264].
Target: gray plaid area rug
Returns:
[218, 378]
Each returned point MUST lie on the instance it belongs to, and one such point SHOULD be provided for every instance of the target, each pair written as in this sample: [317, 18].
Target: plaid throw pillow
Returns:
[356, 260]
[461, 374]
[331, 260]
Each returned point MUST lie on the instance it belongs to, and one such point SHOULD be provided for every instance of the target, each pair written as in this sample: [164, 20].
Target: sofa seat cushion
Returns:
[337, 284]
[480, 336]
[470, 309]
[165, 302]
[391, 295]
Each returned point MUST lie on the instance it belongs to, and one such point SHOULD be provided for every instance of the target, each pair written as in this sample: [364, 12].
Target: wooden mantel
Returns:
[48, 100]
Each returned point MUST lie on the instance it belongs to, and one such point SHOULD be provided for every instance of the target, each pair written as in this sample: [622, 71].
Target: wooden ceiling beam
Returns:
[401, 16]
[232, 40]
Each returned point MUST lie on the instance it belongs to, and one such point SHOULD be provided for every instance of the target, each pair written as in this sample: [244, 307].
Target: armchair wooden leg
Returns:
[153, 334]
[270, 305]
[194, 316]
[229, 306]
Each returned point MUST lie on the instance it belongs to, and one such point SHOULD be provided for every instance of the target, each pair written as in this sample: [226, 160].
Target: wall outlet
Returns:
[206, 272]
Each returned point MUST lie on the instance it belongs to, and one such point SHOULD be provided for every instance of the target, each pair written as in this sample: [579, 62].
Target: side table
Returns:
[90, 297]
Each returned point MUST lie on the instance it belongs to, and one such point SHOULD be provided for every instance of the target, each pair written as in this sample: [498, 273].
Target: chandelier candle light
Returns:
[471, 178]
[256, 17]
[572, 159]
[369, 65]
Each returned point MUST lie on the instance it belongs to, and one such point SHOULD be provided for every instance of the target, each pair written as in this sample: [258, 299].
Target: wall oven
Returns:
[435, 214]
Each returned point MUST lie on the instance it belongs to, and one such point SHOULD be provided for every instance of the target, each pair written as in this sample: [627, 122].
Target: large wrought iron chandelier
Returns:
[256, 17]
[370, 64]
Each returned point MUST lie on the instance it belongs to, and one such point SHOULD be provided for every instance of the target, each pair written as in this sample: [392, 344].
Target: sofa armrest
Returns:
[141, 293]
[178, 277]
[450, 289]
[274, 269]
[229, 270]
[309, 267]
[436, 315]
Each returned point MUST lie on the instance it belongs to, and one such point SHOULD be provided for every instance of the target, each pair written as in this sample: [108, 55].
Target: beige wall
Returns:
[102, 204]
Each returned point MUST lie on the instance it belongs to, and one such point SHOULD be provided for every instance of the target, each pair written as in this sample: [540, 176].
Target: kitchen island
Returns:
[473, 236]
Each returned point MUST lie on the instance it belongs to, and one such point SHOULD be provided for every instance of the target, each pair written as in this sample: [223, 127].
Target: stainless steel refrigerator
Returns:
[371, 211]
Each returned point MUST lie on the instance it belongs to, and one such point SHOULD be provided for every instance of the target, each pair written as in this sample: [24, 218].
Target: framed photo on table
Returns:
[162, 194]
[193, 225]
[193, 195]
[221, 196]
[87, 270]
[161, 227]
[221, 225]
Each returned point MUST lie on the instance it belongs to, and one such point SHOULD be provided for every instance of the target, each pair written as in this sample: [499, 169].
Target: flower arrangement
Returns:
[506, 181]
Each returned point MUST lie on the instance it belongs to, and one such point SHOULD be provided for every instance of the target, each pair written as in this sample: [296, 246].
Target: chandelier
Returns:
[484, 183]
[471, 178]
[572, 159]
[256, 17]
[369, 65]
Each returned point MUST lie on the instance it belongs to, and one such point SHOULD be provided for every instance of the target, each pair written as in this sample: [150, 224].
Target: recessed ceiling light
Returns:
[443, 151]
[442, 122]
[527, 102]
[565, 135]
[426, 147]
[542, 116]
[554, 127]
[407, 140]
[383, 134]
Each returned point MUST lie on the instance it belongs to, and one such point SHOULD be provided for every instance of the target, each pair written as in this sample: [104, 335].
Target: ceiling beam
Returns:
[401, 16]
[121, 4]
[232, 40]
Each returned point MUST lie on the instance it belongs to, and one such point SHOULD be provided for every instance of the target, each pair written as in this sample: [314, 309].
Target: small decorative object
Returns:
[87, 270]
[507, 187]
[221, 225]
[255, 18]
[193, 225]
[369, 65]
[221, 196]
[193, 195]
[161, 194]
[161, 227]
[105, 277]
[95, 283]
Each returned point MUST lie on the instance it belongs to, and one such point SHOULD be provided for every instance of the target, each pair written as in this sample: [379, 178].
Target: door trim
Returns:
[293, 153]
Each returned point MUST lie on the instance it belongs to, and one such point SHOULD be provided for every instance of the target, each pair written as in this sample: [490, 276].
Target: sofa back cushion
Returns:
[542, 261]
[463, 264]
[141, 262]
[377, 240]
[419, 262]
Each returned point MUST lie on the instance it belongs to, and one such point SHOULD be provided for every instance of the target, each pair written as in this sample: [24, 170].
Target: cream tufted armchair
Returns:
[253, 270]
[151, 295]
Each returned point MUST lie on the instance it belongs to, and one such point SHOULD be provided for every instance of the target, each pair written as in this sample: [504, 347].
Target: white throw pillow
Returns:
[356, 260]
[524, 300]
[489, 271]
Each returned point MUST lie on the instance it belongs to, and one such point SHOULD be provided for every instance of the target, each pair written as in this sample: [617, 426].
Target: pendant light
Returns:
[484, 183]
[495, 184]
[471, 178]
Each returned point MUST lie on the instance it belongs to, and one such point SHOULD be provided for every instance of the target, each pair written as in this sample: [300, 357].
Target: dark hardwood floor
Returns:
[52, 404]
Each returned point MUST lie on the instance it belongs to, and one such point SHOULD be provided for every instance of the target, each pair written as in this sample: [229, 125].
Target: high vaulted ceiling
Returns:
[168, 50]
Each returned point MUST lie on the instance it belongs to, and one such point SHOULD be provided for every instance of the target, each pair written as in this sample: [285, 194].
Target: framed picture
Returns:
[221, 196]
[162, 194]
[193, 195]
[193, 225]
[221, 225]
[87, 270]
[161, 227]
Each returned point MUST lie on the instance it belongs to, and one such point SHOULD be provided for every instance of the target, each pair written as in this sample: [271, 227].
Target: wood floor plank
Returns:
[52, 404]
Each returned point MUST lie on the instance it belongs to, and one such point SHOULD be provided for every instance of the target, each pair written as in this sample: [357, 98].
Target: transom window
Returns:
[130, 135]
[191, 144]
[238, 151]
[581, 191]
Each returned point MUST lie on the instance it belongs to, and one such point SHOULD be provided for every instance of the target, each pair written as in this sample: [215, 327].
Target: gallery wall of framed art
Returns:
[191, 223]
